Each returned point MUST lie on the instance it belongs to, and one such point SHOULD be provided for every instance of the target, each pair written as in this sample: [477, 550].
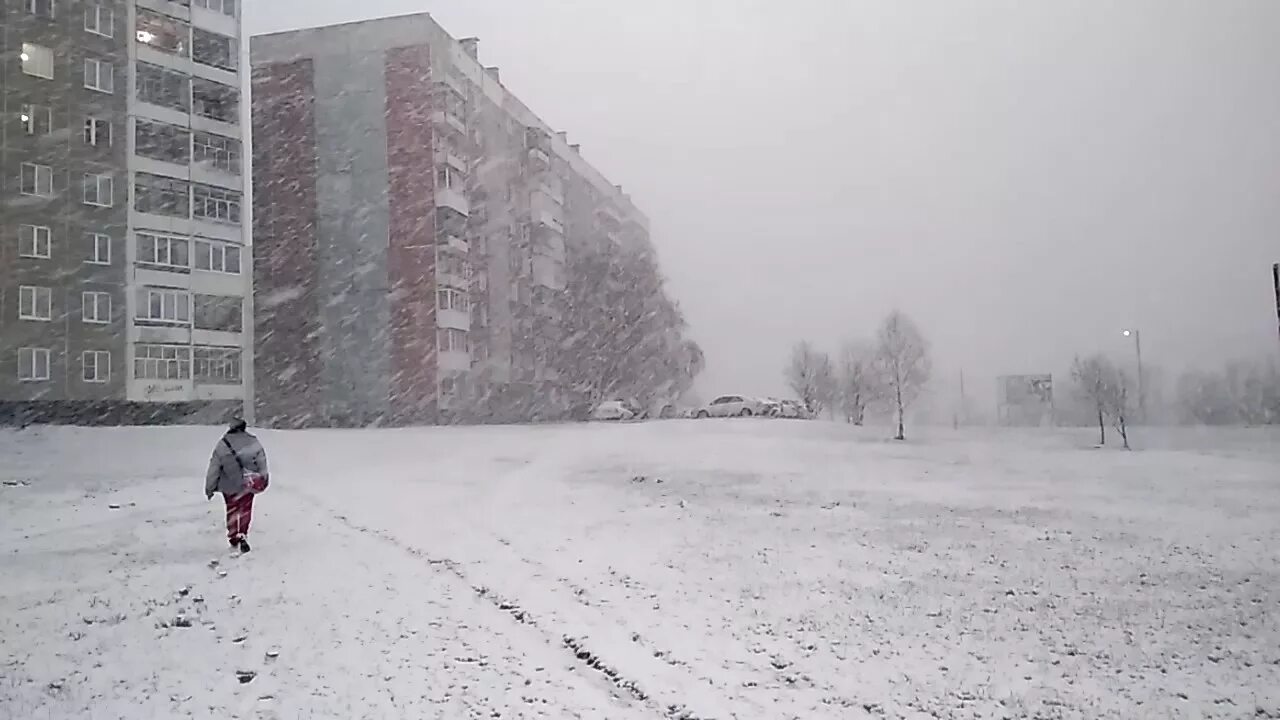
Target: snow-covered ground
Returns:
[713, 569]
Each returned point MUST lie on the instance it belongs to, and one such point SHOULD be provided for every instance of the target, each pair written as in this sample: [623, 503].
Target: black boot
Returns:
[244, 545]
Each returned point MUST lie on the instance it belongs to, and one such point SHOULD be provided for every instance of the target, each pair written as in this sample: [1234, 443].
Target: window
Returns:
[226, 7]
[37, 61]
[215, 204]
[163, 87]
[450, 299]
[217, 257]
[217, 312]
[161, 141]
[35, 303]
[215, 100]
[33, 364]
[222, 153]
[164, 305]
[213, 49]
[96, 366]
[97, 132]
[99, 189]
[217, 365]
[451, 340]
[36, 180]
[161, 362]
[100, 20]
[96, 307]
[165, 251]
[34, 241]
[449, 177]
[43, 8]
[161, 195]
[99, 249]
[36, 119]
[162, 32]
[99, 75]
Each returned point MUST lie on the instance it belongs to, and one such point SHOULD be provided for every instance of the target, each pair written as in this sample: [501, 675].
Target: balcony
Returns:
[553, 192]
[539, 158]
[447, 197]
[456, 242]
[450, 157]
[610, 215]
[548, 219]
[445, 119]
[453, 84]
[448, 279]
[453, 361]
[455, 319]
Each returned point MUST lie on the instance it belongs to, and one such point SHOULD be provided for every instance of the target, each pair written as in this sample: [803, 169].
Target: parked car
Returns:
[793, 409]
[613, 410]
[733, 405]
[772, 407]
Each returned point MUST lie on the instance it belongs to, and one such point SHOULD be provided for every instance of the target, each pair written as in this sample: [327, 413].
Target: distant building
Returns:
[412, 222]
[123, 270]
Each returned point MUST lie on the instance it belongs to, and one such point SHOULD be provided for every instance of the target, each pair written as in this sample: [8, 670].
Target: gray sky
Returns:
[1023, 178]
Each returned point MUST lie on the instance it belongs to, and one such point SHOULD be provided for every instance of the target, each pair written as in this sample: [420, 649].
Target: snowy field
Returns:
[713, 569]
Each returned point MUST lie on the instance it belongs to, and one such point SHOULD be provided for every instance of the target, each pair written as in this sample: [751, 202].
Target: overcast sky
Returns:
[1024, 178]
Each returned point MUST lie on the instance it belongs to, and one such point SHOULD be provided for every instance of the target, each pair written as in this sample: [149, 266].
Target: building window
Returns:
[99, 249]
[33, 364]
[43, 8]
[164, 305]
[97, 132]
[215, 204]
[163, 87]
[99, 75]
[449, 177]
[161, 141]
[215, 101]
[99, 189]
[35, 303]
[37, 61]
[451, 299]
[160, 195]
[35, 241]
[162, 32]
[161, 362]
[226, 7]
[96, 365]
[208, 48]
[217, 365]
[36, 180]
[36, 119]
[96, 307]
[451, 340]
[217, 257]
[100, 20]
[165, 251]
[217, 312]
[222, 153]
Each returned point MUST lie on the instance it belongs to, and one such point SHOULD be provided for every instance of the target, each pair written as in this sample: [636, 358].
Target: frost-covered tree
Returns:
[811, 376]
[902, 363]
[1106, 388]
[857, 381]
[1243, 392]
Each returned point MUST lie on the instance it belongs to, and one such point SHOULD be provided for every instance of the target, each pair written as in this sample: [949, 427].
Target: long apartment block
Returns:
[124, 266]
[413, 220]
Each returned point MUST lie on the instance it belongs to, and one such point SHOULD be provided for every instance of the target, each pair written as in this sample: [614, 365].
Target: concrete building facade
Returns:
[124, 268]
[412, 223]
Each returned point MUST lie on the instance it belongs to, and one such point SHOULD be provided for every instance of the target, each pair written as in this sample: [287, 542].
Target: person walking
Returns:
[238, 470]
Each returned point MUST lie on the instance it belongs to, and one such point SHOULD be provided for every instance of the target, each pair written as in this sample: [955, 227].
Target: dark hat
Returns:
[237, 426]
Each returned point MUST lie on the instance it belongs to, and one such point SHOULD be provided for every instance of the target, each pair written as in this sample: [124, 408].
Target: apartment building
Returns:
[412, 221]
[124, 269]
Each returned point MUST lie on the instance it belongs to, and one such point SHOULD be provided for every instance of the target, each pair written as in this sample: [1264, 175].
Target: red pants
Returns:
[239, 514]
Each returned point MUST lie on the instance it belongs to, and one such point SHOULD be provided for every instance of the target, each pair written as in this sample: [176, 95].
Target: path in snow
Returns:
[746, 569]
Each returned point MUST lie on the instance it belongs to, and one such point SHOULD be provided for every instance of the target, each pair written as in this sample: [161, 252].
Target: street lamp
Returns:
[1137, 346]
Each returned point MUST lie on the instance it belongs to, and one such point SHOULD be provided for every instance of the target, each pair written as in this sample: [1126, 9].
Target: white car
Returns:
[733, 406]
[612, 410]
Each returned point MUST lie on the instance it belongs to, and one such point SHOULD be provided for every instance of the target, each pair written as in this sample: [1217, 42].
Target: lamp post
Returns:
[1137, 346]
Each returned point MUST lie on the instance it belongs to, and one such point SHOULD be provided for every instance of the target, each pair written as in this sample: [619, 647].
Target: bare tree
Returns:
[1106, 387]
[1089, 375]
[902, 361]
[857, 384]
[811, 376]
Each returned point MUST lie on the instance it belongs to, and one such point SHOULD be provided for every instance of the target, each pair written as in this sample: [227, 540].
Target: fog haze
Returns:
[1024, 179]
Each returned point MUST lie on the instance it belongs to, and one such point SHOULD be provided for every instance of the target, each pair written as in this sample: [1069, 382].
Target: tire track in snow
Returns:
[576, 647]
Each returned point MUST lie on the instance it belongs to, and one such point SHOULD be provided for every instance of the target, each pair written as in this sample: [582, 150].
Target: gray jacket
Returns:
[225, 475]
